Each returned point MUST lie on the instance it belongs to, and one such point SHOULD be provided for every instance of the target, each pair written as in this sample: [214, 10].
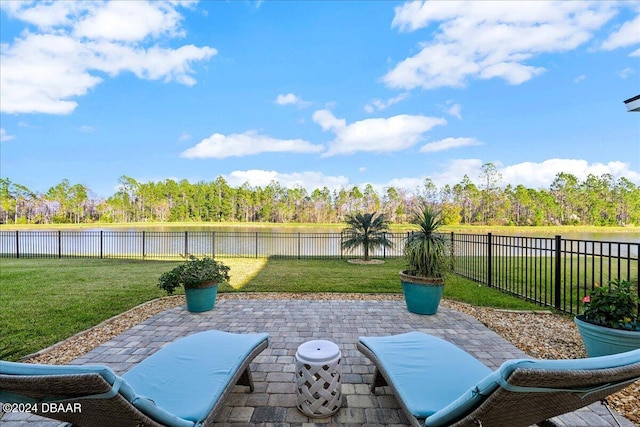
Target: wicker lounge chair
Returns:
[184, 384]
[438, 384]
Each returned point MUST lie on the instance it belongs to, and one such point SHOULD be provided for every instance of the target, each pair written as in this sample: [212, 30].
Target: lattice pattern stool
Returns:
[318, 376]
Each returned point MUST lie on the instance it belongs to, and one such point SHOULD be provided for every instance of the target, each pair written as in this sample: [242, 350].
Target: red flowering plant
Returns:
[614, 306]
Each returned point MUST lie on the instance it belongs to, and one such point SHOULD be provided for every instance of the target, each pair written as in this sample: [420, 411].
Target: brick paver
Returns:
[289, 324]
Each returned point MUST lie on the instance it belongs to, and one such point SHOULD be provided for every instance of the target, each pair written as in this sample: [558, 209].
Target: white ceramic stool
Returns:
[318, 375]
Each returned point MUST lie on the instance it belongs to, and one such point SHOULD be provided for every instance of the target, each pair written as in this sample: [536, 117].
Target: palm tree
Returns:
[367, 230]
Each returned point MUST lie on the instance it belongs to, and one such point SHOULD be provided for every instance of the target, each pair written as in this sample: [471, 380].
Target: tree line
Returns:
[596, 200]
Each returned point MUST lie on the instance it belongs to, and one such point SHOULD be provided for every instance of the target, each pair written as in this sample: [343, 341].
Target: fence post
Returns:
[101, 243]
[256, 244]
[453, 253]
[143, 248]
[299, 245]
[17, 245]
[557, 276]
[384, 248]
[186, 244]
[213, 244]
[59, 243]
[489, 261]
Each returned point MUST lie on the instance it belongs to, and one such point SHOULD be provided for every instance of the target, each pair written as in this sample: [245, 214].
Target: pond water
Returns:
[286, 241]
[630, 236]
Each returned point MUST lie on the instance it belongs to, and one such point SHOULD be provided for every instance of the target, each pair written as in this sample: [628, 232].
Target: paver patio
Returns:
[289, 324]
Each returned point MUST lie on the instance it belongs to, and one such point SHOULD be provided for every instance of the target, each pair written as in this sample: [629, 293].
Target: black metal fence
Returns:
[550, 271]
[553, 271]
[176, 245]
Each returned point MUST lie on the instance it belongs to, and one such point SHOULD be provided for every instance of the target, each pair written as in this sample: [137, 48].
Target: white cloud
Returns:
[4, 136]
[485, 40]
[86, 129]
[291, 99]
[448, 144]
[627, 35]
[43, 14]
[580, 78]
[121, 21]
[328, 121]
[310, 180]
[374, 135]
[455, 110]
[530, 174]
[248, 143]
[43, 71]
[379, 105]
[452, 174]
[626, 73]
[541, 175]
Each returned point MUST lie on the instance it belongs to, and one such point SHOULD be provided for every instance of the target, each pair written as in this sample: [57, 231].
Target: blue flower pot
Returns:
[201, 298]
[601, 341]
[422, 294]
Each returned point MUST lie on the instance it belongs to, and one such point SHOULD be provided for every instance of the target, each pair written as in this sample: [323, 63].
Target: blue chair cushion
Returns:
[187, 377]
[427, 372]
[447, 383]
[177, 386]
[475, 395]
[119, 385]
[15, 368]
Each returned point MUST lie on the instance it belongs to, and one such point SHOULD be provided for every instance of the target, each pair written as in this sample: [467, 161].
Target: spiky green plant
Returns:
[427, 251]
[367, 230]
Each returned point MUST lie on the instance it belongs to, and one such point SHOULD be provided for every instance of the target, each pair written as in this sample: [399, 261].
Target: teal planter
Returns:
[202, 298]
[601, 341]
[422, 294]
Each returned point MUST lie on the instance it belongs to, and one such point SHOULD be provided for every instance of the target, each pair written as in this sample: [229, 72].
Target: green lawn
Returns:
[47, 300]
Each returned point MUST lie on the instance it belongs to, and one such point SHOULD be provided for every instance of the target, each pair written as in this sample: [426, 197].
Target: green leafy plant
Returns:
[614, 306]
[193, 273]
[427, 251]
[367, 230]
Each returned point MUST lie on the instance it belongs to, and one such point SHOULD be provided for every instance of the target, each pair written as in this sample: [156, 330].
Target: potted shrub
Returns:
[611, 322]
[200, 278]
[428, 256]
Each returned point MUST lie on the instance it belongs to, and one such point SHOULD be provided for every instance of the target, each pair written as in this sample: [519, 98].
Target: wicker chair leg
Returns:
[246, 379]
[378, 381]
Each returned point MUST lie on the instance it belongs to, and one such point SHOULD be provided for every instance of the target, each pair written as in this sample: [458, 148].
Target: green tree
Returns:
[355, 200]
[321, 205]
[7, 199]
[78, 198]
[489, 194]
[599, 208]
[567, 195]
[627, 201]
[428, 193]
[367, 230]
[467, 196]
[61, 195]
[392, 204]
[371, 200]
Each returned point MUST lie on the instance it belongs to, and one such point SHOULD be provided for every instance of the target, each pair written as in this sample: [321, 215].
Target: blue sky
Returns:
[316, 93]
